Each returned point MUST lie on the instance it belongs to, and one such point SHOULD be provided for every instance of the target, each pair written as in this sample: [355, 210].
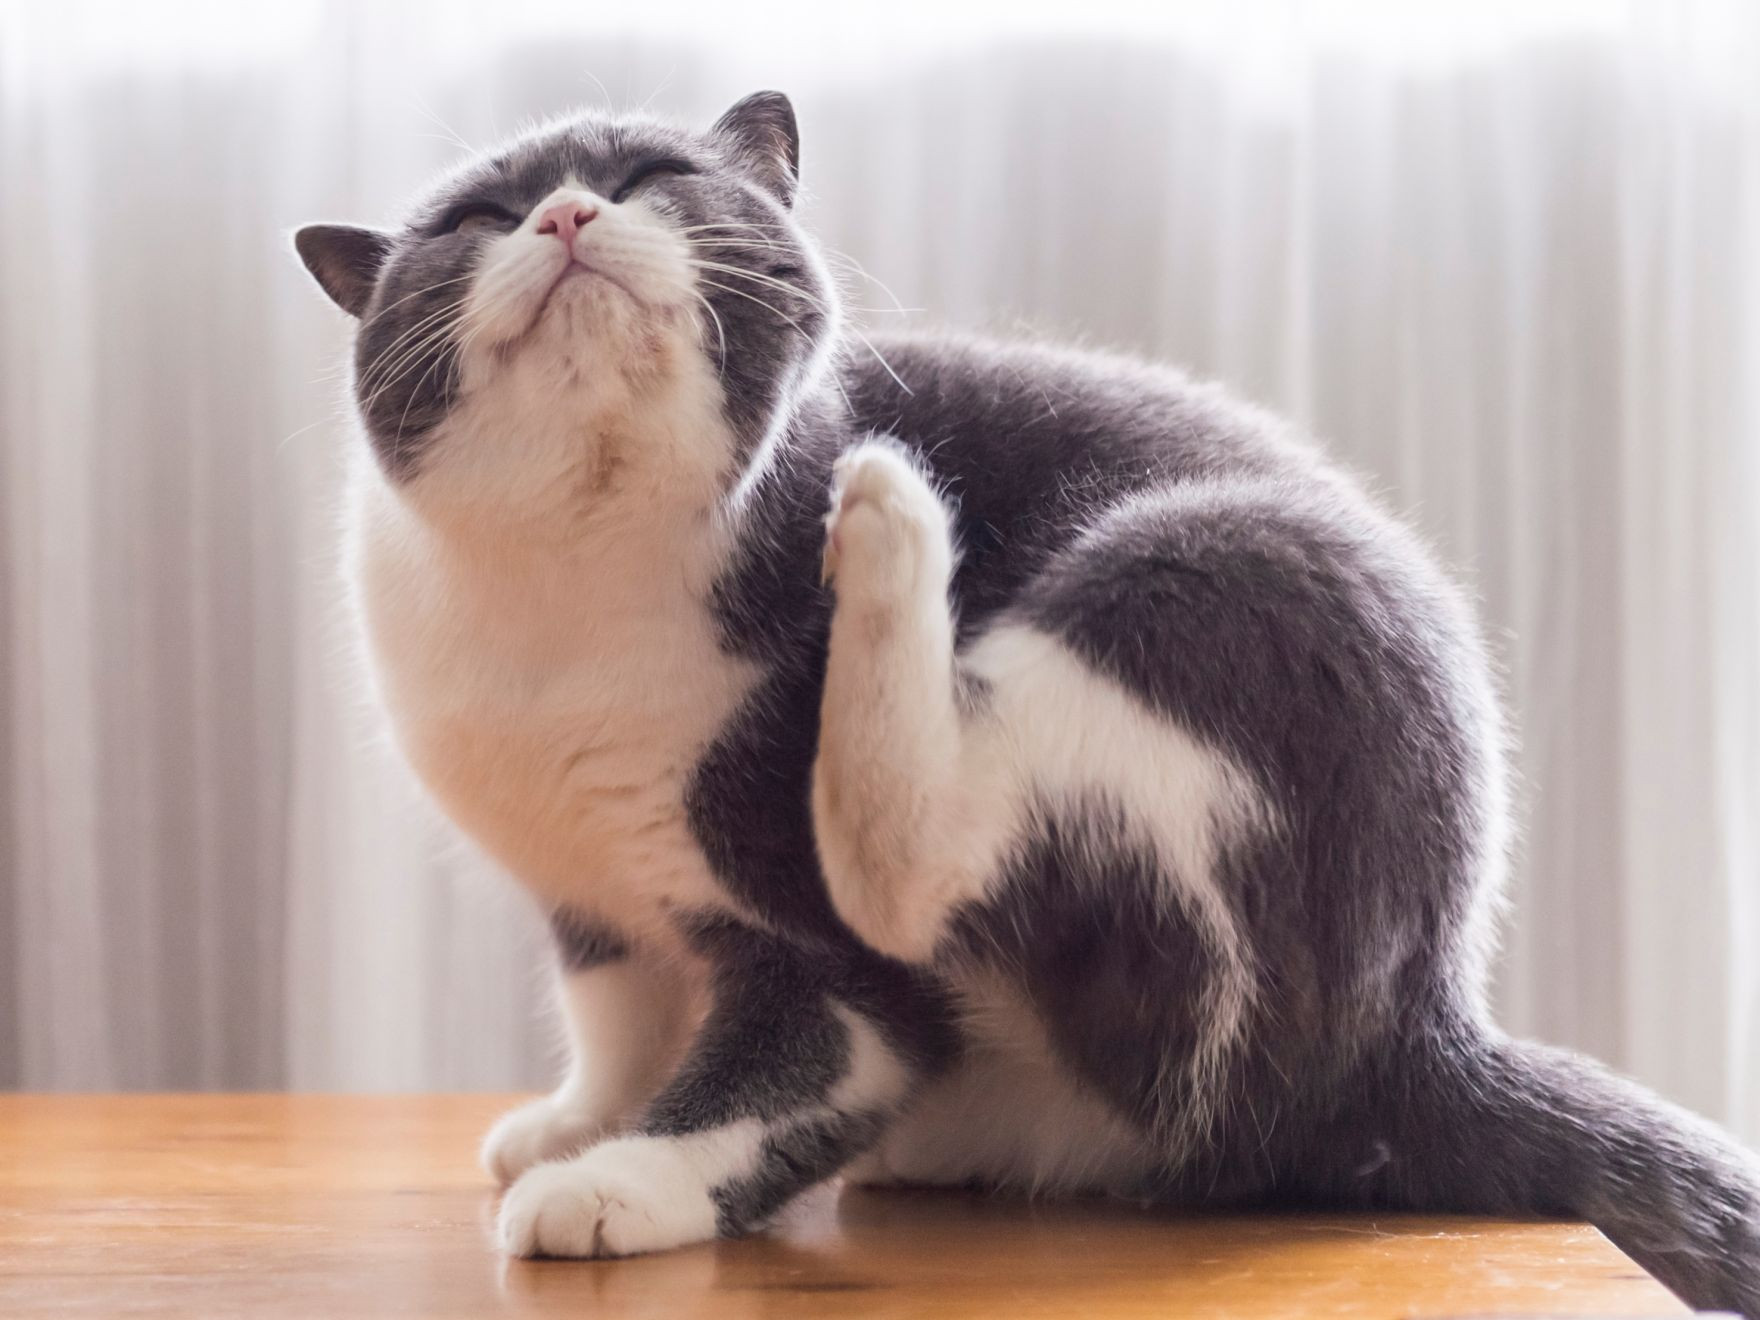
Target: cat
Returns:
[944, 761]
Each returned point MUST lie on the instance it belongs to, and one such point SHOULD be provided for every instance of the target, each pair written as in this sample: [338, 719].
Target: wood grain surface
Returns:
[321, 1206]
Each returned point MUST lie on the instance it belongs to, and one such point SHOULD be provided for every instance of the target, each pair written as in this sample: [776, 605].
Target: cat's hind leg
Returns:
[905, 824]
[1009, 1113]
[1017, 806]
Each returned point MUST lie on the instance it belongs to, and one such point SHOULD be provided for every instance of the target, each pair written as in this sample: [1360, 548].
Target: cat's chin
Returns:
[580, 281]
[585, 312]
[580, 301]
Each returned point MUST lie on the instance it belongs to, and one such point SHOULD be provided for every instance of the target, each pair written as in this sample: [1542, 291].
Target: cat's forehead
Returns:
[593, 150]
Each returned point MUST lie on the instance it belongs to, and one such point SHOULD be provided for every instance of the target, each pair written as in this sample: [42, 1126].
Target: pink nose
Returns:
[565, 219]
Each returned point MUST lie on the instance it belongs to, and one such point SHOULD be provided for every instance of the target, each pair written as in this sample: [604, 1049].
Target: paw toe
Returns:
[620, 1199]
[882, 510]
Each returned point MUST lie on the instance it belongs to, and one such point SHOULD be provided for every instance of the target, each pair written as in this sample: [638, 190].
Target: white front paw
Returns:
[624, 1197]
[887, 532]
[546, 1129]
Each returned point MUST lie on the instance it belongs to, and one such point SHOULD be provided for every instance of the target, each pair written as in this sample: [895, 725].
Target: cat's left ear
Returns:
[345, 260]
[761, 130]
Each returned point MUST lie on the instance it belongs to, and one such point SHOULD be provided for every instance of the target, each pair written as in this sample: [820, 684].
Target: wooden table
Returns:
[322, 1206]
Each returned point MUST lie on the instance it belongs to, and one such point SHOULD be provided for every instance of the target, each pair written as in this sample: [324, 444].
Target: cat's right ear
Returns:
[762, 132]
[345, 260]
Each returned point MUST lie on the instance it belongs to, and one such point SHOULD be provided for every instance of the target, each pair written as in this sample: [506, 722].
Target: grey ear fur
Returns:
[762, 132]
[345, 260]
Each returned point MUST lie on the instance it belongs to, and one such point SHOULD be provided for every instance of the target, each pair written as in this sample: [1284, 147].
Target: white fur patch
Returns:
[1069, 732]
[629, 1195]
[554, 700]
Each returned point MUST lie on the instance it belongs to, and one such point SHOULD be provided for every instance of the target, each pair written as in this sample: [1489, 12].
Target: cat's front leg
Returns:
[794, 1072]
[900, 810]
[625, 1017]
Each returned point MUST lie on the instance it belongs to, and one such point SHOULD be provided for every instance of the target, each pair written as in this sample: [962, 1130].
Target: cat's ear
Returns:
[345, 260]
[762, 133]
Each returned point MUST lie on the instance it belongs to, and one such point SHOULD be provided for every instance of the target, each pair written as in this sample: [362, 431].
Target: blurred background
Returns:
[1504, 258]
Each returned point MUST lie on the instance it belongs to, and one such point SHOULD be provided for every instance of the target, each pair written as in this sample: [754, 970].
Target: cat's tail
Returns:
[1482, 1124]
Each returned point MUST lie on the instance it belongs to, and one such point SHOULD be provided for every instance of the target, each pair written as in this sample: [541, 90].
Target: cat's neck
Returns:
[618, 548]
[538, 484]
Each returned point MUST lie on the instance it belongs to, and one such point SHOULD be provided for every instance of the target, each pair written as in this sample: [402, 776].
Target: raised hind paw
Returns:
[886, 536]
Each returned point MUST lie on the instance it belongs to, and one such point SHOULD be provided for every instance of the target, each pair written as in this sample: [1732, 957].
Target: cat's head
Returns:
[581, 305]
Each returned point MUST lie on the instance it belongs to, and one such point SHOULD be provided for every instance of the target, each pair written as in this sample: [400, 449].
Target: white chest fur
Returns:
[555, 696]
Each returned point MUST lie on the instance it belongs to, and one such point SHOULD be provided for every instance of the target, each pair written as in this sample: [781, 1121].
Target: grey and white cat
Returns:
[954, 762]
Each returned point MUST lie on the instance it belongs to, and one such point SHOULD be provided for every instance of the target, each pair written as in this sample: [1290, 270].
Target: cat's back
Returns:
[1035, 442]
[1044, 408]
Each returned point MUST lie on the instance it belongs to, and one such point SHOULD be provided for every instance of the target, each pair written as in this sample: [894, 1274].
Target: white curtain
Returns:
[1505, 259]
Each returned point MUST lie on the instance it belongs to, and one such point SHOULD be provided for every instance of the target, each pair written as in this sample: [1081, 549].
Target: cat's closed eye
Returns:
[648, 170]
[479, 218]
